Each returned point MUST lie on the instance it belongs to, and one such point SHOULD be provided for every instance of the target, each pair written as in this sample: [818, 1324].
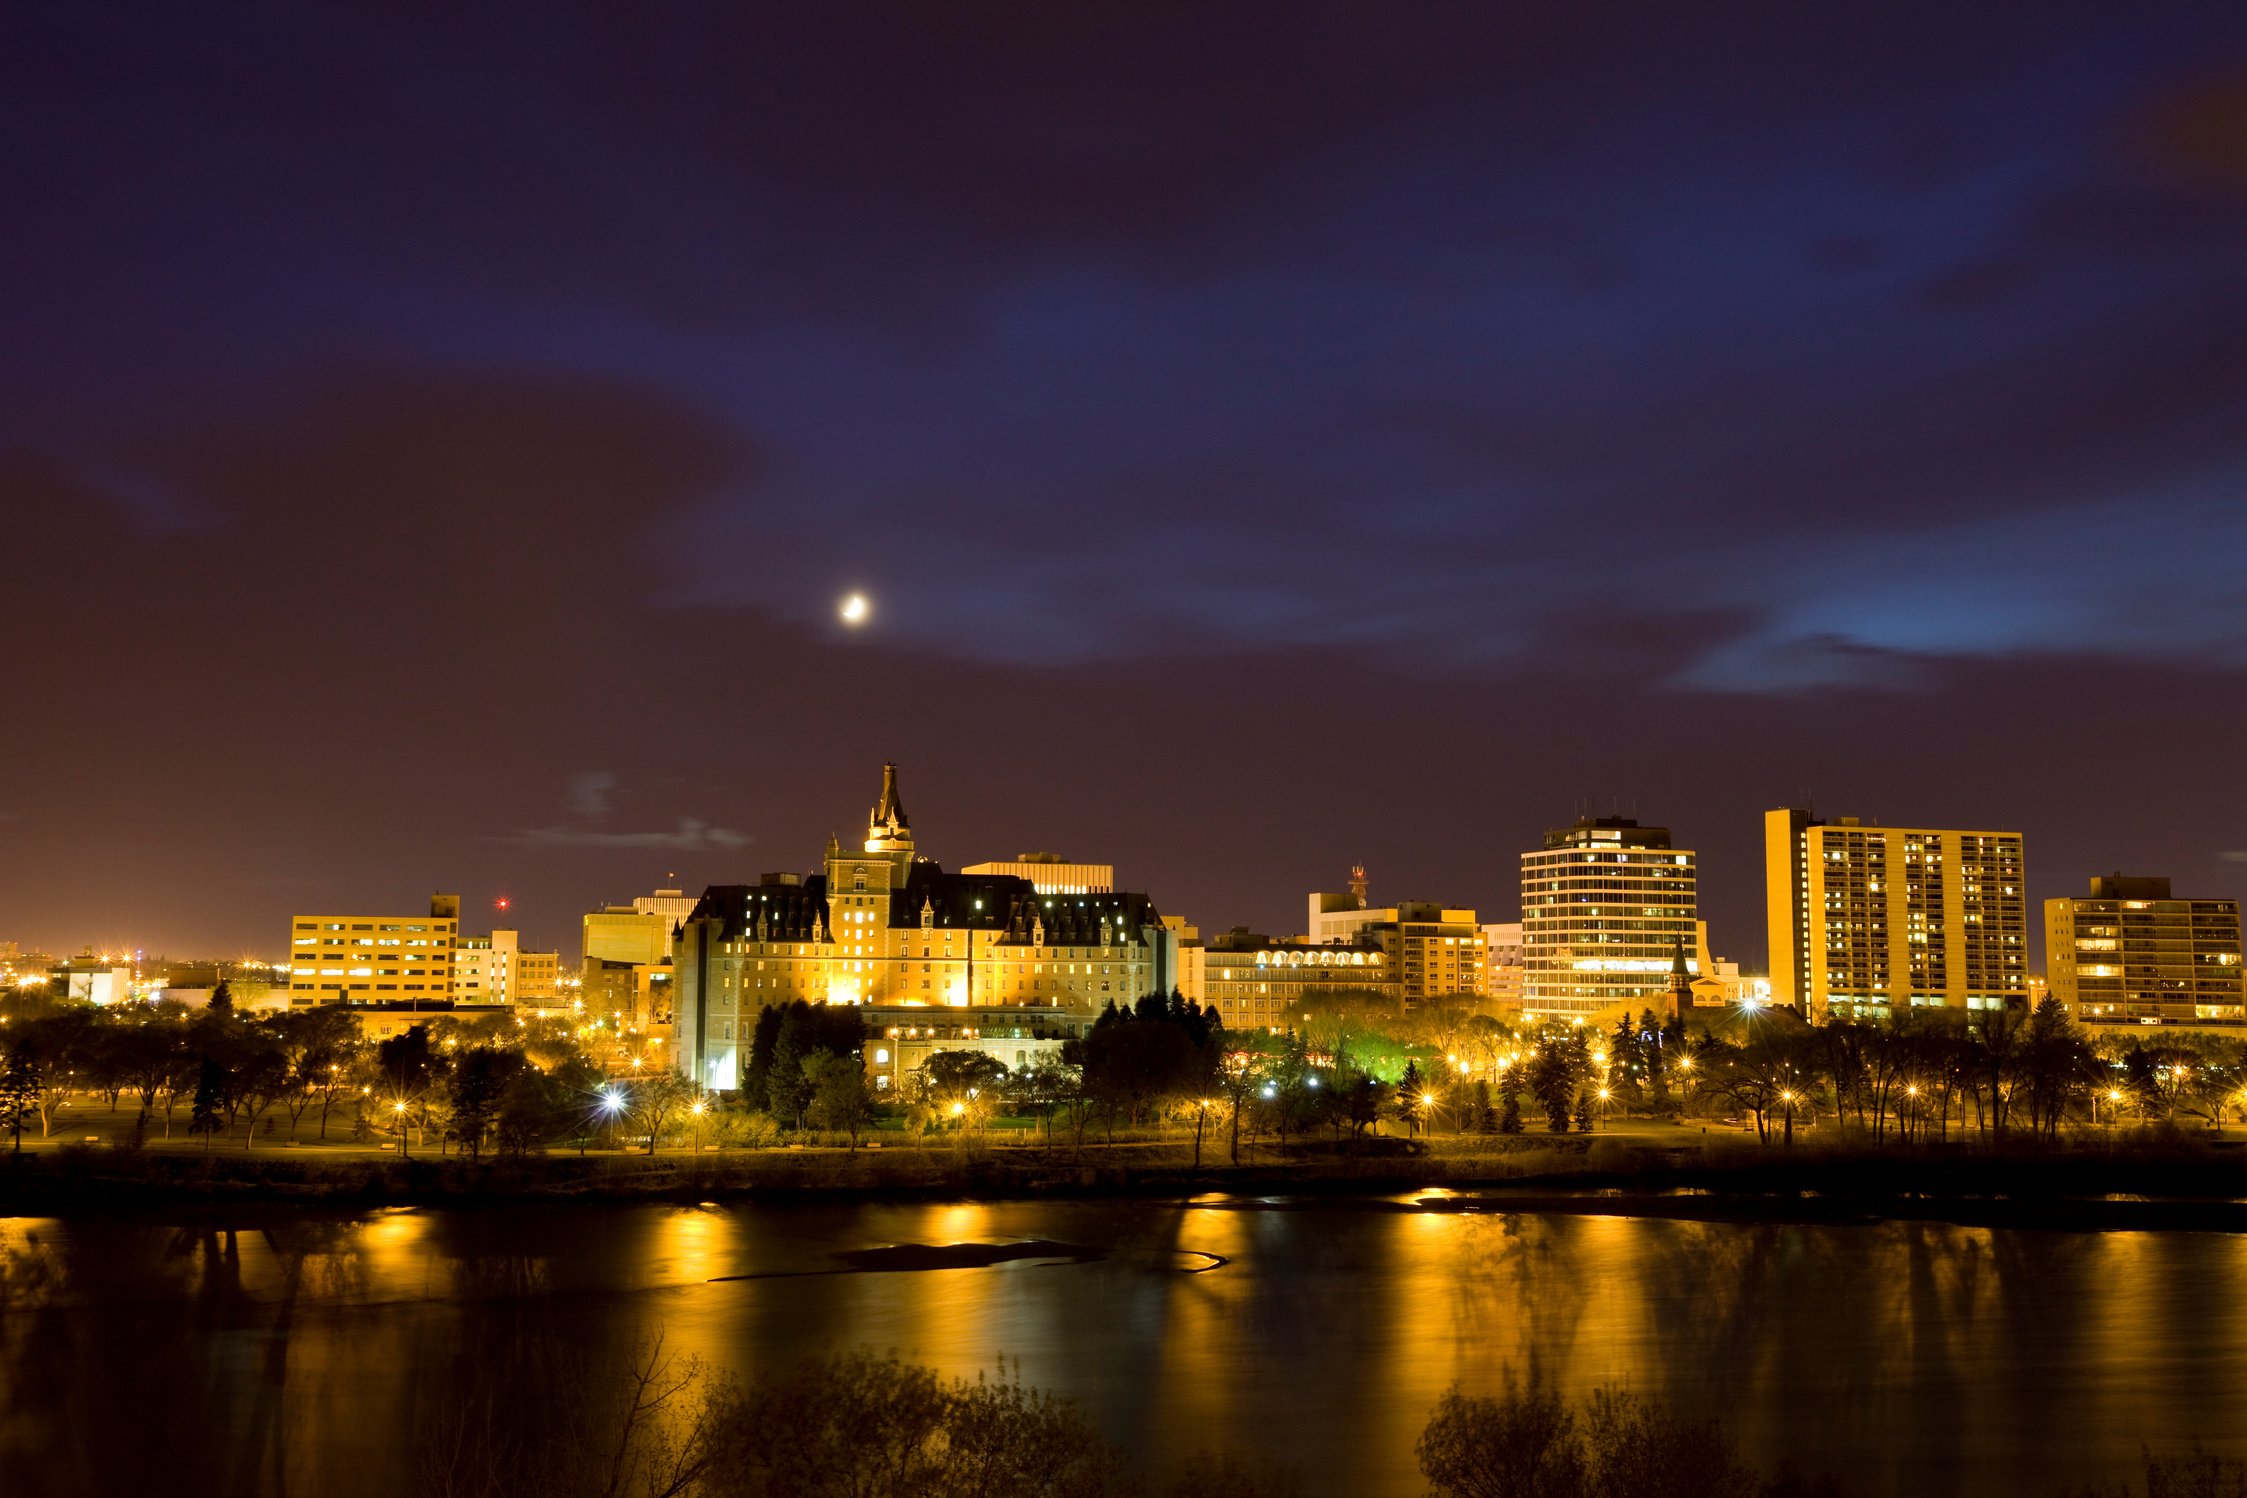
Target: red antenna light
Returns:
[503, 902]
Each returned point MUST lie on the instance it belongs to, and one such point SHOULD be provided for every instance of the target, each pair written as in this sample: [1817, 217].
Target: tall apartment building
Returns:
[1868, 919]
[1433, 950]
[1052, 874]
[2132, 953]
[883, 926]
[1606, 908]
[365, 959]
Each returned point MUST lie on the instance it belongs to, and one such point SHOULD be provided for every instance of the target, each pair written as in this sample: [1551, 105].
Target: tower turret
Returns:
[887, 830]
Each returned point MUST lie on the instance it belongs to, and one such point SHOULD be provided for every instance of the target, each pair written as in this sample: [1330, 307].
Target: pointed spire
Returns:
[887, 830]
[891, 813]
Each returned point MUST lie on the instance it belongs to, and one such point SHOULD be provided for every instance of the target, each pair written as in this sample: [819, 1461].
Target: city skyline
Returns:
[1374, 461]
[502, 916]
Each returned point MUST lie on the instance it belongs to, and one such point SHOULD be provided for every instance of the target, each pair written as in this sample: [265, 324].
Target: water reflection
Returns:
[295, 1352]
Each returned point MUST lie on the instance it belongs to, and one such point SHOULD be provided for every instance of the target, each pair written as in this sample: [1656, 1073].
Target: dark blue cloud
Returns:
[1730, 356]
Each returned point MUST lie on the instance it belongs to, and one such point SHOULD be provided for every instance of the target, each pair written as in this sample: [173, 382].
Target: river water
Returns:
[287, 1353]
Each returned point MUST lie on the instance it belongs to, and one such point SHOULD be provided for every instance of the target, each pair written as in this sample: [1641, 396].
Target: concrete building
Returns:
[1434, 950]
[1870, 919]
[495, 969]
[900, 1039]
[362, 959]
[1259, 981]
[88, 979]
[1501, 964]
[1052, 874]
[1606, 907]
[882, 926]
[2133, 953]
[630, 933]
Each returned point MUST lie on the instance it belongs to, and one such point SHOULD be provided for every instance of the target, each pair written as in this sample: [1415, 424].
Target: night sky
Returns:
[434, 442]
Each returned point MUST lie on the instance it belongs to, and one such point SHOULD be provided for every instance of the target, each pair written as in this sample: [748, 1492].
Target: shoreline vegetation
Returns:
[2151, 1183]
[1987, 1118]
[861, 1425]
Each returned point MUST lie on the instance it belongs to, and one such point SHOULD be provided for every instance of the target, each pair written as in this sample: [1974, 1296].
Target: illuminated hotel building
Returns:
[881, 926]
[1606, 907]
[2133, 953]
[1869, 919]
[365, 959]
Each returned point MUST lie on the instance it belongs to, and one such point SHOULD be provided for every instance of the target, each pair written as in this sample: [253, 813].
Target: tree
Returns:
[260, 1077]
[482, 1076]
[655, 1100]
[20, 1087]
[1482, 1118]
[1509, 1111]
[1523, 1443]
[210, 1101]
[222, 998]
[839, 1100]
[406, 1067]
[1136, 1060]
[1583, 1113]
[1411, 1097]
[318, 1045]
[802, 1031]
[534, 1110]
[1555, 1072]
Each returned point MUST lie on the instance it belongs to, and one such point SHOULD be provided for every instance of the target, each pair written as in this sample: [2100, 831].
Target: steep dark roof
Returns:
[983, 902]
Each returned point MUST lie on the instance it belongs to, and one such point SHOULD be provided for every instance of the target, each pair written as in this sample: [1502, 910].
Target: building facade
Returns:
[1606, 907]
[495, 969]
[1501, 964]
[901, 1039]
[1867, 919]
[882, 926]
[1258, 981]
[2133, 953]
[1433, 950]
[1052, 874]
[367, 959]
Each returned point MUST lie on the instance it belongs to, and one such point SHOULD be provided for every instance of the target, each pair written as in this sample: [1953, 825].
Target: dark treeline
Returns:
[221, 1077]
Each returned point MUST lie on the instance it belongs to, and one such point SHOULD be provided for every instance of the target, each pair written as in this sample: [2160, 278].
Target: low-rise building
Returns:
[1051, 874]
[2133, 953]
[495, 969]
[89, 979]
[1501, 964]
[1259, 981]
[1434, 950]
[900, 1039]
[372, 959]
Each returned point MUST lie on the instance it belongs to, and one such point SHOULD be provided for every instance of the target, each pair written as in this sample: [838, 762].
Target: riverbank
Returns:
[2175, 1183]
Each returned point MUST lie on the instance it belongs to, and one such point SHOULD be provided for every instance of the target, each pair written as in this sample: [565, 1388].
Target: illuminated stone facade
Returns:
[882, 926]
